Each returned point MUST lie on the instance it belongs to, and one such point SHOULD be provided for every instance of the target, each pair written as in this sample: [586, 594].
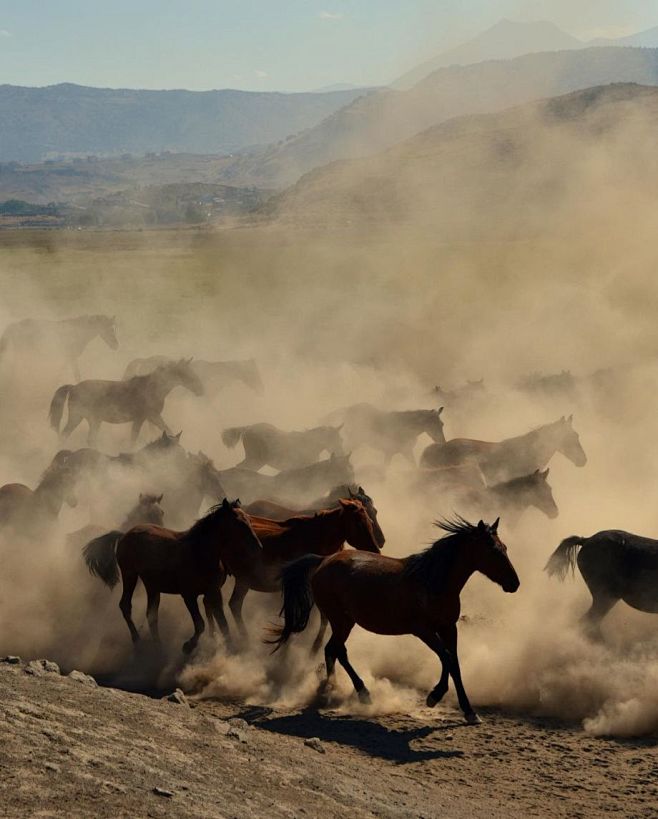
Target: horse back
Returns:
[456, 452]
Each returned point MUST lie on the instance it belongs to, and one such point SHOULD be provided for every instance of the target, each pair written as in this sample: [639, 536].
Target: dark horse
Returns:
[146, 510]
[416, 595]
[137, 400]
[32, 512]
[266, 445]
[323, 533]
[615, 565]
[390, 432]
[513, 457]
[186, 563]
[292, 485]
[277, 511]
[215, 375]
[67, 338]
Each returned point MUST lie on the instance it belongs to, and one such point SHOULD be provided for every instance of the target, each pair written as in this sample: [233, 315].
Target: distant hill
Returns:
[38, 123]
[549, 165]
[508, 39]
[381, 119]
[503, 41]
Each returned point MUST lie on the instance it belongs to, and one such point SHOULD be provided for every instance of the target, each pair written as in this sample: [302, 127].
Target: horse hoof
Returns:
[188, 647]
[472, 719]
[431, 700]
[364, 696]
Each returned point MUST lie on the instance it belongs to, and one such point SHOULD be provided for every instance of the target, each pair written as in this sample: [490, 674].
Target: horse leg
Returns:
[157, 420]
[92, 437]
[197, 619]
[447, 639]
[601, 605]
[214, 606]
[135, 430]
[235, 604]
[336, 650]
[152, 605]
[125, 604]
[317, 643]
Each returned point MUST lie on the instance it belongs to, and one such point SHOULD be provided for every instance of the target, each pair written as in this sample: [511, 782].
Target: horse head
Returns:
[106, 327]
[370, 508]
[182, 373]
[540, 493]
[489, 555]
[359, 531]
[568, 442]
[434, 425]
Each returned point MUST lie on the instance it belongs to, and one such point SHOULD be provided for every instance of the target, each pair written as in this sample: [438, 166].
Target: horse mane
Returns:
[199, 531]
[430, 567]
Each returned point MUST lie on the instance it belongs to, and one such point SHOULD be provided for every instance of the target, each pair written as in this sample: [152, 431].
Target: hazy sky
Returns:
[265, 44]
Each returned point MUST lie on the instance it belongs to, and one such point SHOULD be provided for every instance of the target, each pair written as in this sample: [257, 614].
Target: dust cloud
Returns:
[378, 314]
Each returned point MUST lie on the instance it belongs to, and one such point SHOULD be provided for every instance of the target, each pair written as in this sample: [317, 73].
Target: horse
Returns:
[513, 457]
[266, 445]
[163, 465]
[615, 565]
[33, 512]
[512, 497]
[291, 485]
[146, 510]
[215, 375]
[560, 385]
[168, 562]
[68, 337]
[137, 400]
[277, 511]
[416, 595]
[390, 432]
[323, 533]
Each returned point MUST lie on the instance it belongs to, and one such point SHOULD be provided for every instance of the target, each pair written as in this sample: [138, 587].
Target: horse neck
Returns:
[49, 495]
[541, 442]
[162, 383]
[460, 571]
[326, 531]
[83, 329]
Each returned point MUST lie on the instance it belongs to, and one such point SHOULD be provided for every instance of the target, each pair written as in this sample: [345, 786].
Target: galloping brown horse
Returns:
[416, 595]
[186, 563]
[276, 511]
[137, 400]
[323, 534]
[513, 457]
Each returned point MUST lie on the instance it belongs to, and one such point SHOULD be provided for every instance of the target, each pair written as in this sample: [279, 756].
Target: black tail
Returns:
[564, 557]
[100, 555]
[297, 598]
[57, 406]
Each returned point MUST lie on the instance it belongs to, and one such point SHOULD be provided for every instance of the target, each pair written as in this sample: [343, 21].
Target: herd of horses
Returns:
[287, 535]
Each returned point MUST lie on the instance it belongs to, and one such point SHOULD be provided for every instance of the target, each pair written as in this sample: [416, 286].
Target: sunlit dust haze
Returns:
[494, 247]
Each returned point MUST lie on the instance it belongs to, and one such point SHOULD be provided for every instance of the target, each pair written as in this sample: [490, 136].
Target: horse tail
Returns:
[297, 598]
[232, 435]
[57, 406]
[100, 555]
[564, 557]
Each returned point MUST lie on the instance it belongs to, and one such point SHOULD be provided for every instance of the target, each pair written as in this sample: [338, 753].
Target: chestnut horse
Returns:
[416, 595]
[323, 534]
[186, 563]
[276, 511]
[513, 457]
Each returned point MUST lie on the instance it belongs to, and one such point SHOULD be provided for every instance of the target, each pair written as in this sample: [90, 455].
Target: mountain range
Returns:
[383, 118]
[508, 39]
[60, 120]
[545, 166]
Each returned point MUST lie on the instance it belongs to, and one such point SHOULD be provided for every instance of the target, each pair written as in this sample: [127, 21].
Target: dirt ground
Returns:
[69, 748]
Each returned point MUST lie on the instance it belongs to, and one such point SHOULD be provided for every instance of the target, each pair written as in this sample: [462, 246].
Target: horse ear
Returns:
[482, 525]
[159, 498]
[226, 504]
[440, 410]
[570, 420]
[177, 437]
[544, 474]
[164, 435]
[362, 491]
[494, 525]
[338, 429]
[351, 494]
[236, 503]
[141, 497]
